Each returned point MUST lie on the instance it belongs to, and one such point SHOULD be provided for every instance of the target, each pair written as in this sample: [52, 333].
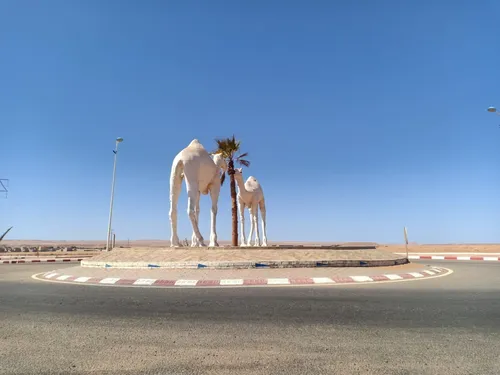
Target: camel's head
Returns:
[221, 163]
[238, 173]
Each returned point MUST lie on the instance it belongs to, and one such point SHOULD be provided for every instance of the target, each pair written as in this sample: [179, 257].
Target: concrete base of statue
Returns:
[277, 256]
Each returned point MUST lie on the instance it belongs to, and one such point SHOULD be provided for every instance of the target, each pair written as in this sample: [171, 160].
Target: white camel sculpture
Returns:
[251, 195]
[202, 174]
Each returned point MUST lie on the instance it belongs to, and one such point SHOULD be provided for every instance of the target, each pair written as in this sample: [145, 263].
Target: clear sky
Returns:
[360, 117]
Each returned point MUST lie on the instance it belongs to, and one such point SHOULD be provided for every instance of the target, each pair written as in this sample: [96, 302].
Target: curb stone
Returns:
[145, 282]
[247, 264]
[456, 257]
[55, 260]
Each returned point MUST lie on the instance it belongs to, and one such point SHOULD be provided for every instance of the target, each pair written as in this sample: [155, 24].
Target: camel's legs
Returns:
[250, 234]
[251, 211]
[255, 218]
[193, 200]
[214, 196]
[262, 206]
[194, 240]
[175, 191]
[241, 206]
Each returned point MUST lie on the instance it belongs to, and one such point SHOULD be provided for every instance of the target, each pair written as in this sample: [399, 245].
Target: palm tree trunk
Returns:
[234, 204]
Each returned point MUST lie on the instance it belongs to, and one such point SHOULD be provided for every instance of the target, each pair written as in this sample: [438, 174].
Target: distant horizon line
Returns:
[272, 241]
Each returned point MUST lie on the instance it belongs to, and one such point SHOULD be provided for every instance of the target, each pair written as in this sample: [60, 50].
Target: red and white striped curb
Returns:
[56, 276]
[55, 260]
[454, 257]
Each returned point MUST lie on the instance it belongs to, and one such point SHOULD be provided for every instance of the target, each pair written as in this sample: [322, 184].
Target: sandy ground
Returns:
[442, 248]
[150, 243]
[412, 247]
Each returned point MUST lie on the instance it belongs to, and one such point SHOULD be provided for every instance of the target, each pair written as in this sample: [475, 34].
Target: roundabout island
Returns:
[223, 267]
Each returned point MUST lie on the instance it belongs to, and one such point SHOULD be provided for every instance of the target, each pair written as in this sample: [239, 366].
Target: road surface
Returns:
[444, 325]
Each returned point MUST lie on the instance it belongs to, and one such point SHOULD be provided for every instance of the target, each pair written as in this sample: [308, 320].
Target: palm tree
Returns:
[229, 148]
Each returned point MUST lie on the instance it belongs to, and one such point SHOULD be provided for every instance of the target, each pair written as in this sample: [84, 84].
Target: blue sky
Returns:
[360, 117]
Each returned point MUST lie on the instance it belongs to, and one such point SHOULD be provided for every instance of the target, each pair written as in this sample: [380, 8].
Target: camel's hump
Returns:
[252, 184]
[195, 143]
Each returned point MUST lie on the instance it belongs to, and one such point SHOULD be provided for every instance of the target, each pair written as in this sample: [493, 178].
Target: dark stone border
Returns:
[248, 264]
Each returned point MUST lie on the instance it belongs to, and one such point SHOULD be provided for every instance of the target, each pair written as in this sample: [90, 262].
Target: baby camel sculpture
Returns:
[251, 195]
[202, 174]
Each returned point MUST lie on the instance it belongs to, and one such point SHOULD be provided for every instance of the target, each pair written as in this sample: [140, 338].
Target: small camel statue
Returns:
[202, 173]
[251, 195]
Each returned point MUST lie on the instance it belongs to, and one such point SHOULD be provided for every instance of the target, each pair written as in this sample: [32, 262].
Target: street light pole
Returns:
[108, 238]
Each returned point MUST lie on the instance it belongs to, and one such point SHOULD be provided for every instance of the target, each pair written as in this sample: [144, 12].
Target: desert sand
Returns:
[412, 247]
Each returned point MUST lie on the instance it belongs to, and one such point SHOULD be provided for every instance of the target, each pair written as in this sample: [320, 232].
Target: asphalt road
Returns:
[444, 325]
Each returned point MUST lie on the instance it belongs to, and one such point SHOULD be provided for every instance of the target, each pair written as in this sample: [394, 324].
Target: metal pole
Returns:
[406, 242]
[108, 238]
[114, 240]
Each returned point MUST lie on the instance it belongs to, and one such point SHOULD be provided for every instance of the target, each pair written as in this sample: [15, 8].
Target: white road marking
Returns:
[63, 277]
[186, 282]
[490, 258]
[438, 257]
[109, 280]
[277, 281]
[144, 282]
[82, 279]
[393, 277]
[429, 272]
[50, 275]
[322, 280]
[361, 278]
[463, 258]
[231, 282]
[416, 274]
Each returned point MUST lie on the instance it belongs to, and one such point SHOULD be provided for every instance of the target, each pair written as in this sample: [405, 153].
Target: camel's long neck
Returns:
[241, 186]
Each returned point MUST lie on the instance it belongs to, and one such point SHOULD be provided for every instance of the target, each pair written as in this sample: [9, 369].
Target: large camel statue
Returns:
[251, 195]
[202, 175]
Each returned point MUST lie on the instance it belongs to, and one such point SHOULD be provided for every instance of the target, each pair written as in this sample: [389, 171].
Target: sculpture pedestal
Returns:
[244, 258]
